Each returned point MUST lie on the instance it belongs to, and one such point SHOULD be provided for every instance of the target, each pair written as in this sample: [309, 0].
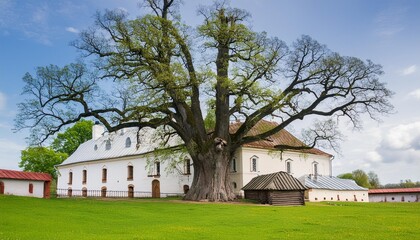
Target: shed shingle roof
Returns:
[283, 137]
[280, 181]
[12, 174]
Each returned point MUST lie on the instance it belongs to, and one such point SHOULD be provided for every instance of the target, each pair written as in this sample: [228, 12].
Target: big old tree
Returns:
[155, 71]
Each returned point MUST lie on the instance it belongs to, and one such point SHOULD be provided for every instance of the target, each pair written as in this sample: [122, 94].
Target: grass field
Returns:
[31, 218]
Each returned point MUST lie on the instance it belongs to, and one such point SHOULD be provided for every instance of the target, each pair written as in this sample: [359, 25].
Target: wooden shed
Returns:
[278, 188]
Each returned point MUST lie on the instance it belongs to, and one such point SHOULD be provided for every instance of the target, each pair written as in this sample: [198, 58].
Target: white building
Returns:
[28, 184]
[394, 195]
[116, 164]
[329, 188]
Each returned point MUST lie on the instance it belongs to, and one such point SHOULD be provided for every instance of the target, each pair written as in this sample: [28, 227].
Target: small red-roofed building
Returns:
[394, 195]
[28, 184]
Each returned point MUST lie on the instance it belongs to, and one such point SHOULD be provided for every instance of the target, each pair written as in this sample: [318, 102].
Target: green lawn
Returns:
[31, 218]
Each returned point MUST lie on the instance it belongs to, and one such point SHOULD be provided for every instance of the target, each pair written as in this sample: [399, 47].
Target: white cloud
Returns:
[2, 101]
[415, 94]
[401, 144]
[373, 156]
[409, 70]
[402, 136]
[72, 30]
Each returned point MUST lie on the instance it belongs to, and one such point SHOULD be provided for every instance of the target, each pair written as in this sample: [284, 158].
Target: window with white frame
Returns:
[254, 164]
[154, 170]
[157, 169]
[104, 174]
[84, 176]
[70, 178]
[130, 172]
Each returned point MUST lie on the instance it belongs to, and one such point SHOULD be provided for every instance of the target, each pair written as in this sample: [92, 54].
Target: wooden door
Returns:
[155, 189]
[47, 186]
[130, 191]
[1, 187]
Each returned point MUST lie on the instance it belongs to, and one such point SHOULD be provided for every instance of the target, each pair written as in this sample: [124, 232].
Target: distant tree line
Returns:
[371, 180]
[403, 184]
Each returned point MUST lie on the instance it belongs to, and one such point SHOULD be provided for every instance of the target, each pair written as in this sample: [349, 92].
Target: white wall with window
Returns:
[269, 161]
[22, 187]
[117, 173]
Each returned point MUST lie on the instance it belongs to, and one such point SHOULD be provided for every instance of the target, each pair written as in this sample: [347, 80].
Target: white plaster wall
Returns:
[394, 197]
[21, 188]
[117, 176]
[273, 161]
[318, 195]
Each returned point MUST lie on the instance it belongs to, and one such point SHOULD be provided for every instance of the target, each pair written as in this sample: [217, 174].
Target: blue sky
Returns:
[38, 33]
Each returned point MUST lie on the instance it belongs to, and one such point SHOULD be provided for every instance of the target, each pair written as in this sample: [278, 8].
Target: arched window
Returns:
[187, 166]
[70, 178]
[234, 185]
[128, 142]
[84, 192]
[104, 174]
[95, 147]
[69, 192]
[157, 169]
[289, 166]
[84, 178]
[108, 144]
[130, 172]
[254, 164]
[31, 188]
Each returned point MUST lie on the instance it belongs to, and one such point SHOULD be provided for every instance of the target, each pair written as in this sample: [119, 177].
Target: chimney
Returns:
[97, 130]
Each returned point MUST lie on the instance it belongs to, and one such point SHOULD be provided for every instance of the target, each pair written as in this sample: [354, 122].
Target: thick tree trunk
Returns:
[211, 178]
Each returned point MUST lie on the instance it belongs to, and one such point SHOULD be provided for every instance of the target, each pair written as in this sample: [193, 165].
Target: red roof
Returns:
[12, 174]
[394, 190]
[283, 137]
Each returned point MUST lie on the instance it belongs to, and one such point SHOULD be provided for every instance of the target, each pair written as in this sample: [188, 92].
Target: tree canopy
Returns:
[168, 75]
[69, 140]
[41, 159]
[369, 180]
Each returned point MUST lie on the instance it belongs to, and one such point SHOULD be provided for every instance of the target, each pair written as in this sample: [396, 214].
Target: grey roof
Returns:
[330, 183]
[275, 181]
[96, 149]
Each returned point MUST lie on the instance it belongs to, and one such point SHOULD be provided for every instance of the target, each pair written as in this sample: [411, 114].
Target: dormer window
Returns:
[108, 144]
[128, 142]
